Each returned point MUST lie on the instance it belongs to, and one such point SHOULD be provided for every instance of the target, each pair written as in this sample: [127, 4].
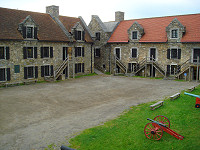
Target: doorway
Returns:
[153, 54]
[118, 52]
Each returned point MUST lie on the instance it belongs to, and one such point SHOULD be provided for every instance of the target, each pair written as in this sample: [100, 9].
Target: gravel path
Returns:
[34, 116]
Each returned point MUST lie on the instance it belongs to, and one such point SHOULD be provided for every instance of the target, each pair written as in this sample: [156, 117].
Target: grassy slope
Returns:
[127, 131]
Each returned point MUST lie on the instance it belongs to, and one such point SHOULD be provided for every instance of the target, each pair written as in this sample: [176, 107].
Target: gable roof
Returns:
[155, 29]
[49, 29]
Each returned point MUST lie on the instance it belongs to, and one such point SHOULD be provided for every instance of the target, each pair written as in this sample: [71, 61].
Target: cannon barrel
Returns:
[157, 122]
[65, 148]
[191, 94]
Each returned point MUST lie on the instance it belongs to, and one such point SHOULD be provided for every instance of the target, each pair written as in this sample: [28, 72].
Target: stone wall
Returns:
[16, 57]
[144, 51]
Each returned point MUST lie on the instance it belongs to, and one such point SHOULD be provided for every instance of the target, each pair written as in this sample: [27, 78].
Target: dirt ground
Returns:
[34, 116]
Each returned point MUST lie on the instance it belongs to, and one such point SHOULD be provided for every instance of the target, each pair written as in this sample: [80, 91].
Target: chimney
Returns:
[53, 11]
[119, 16]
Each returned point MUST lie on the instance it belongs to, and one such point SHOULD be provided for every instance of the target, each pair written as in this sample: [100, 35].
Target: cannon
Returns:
[197, 105]
[65, 148]
[154, 129]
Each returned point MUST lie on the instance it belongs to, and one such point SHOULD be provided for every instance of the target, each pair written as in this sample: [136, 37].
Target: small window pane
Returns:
[175, 33]
[29, 32]
[46, 51]
[2, 74]
[46, 70]
[134, 35]
[174, 53]
[17, 68]
[97, 52]
[79, 35]
[30, 72]
[30, 52]
[79, 51]
[2, 53]
[134, 53]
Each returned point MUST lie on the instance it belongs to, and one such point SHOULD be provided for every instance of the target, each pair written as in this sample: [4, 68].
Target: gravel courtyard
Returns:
[34, 116]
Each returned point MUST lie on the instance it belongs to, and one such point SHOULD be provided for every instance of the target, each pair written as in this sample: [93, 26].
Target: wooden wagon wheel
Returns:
[162, 119]
[153, 131]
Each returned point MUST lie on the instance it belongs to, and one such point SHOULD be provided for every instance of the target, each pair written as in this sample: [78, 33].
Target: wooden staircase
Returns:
[59, 70]
[183, 67]
[120, 64]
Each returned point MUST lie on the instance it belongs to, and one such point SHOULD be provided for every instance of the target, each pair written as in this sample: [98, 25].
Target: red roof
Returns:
[155, 29]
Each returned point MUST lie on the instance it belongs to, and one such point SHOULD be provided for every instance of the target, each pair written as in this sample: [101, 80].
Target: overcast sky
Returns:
[105, 9]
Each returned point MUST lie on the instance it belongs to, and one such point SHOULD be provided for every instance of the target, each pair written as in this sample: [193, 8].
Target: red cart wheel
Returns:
[153, 131]
[162, 119]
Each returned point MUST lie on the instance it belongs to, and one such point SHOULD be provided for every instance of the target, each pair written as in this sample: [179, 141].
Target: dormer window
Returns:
[98, 36]
[79, 35]
[174, 33]
[134, 35]
[29, 32]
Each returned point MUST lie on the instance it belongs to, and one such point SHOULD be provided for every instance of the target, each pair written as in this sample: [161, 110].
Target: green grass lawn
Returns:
[127, 131]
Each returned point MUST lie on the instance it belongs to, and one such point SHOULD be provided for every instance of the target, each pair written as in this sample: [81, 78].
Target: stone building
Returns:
[158, 47]
[39, 46]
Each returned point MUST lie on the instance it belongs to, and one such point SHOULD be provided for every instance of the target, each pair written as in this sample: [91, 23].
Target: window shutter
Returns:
[51, 52]
[24, 32]
[75, 34]
[25, 72]
[83, 35]
[168, 69]
[51, 70]
[76, 51]
[76, 68]
[168, 53]
[8, 74]
[42, 71]
[7, 53]
[36, 71]
[179, 53]
[35, 52]
[25, 52]
[64, 53]
[83, 52]
[83, 67]
[42, 52]
[35, 32]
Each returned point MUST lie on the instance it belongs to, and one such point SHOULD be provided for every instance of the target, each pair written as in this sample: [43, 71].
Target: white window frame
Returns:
[5, 74]
[33, 71]
[4, 47]
[32, 32]
[27, 52]
[177, 33]
[132, 51]
[95, 52]
[132, 35]
[49, 70]
[171, 52]
[81, 51]
[49, 51]
[99, 35]
[120, 52]
[81, 35]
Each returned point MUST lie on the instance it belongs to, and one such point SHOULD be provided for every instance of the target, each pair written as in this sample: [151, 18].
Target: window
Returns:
[30, 72]
[134, 52]
[4, 74]
[174, 53]
[79, 35]
[98, 36]
[29, 32]
[97, 52]
[134, 35]
[30, 52]
[174, 33]
[131, 67]
[4, 53]
[79, 68]
[17, 68]
[46, 70]
[173, 69]
[46, 52]
[79, 52]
